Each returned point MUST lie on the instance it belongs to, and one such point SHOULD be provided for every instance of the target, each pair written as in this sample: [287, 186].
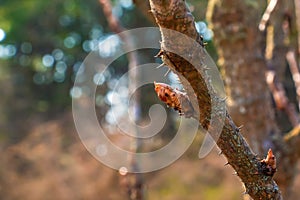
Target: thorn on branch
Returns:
[161, 65]
[246, 192]
[238, 129]
[168, 71]
[224, 99]
[159, 54]
[206, 68]
[202, 43]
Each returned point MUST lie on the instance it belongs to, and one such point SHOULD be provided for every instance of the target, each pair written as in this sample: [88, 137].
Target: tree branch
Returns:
[133, 184]
[144, 7]
[280, 98]
[292, 138]
[266, 16]
[173, 14]
[290, 57]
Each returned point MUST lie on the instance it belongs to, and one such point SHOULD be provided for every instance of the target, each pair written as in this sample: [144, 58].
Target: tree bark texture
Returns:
[241, 56]
[174, 15]
[240, 47]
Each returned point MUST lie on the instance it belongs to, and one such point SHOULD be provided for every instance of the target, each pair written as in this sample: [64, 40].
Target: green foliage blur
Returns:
[42, 45]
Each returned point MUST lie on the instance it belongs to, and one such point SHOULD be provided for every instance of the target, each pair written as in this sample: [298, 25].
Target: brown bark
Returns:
[240, 50]
[174, 15]
[144, 7]
[293, 139]
[297, 15]
[280, 98]
[291, 59]
[241, 54]
[281, 24]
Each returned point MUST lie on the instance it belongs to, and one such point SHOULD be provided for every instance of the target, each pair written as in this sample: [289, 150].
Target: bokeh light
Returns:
[204, 30]
[2, 34]
[7, 51]
[48, 60]
[99, 79]
[26, 47]
[59, 77]
[76, 92]
[58, 54]
[61, 67]
[128, 4]
[108, 46]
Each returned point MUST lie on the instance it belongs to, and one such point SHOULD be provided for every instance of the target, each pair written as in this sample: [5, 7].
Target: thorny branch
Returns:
[174, 15]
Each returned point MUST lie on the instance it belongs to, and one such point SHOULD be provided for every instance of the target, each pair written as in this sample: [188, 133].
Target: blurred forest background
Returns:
[42, 45]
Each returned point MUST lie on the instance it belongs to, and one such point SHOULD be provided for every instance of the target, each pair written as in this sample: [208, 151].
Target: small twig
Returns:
[266, 16]
[295, 132]
[297, 11]
[292, 138]
[290, 57]
[277, 90]
[280, 98]
[113, 22]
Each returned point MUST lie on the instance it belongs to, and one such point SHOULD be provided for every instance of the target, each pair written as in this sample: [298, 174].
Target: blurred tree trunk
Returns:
[241, 48]
[174, 15]
[281, 31]
[297, 14]
[132, 183]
